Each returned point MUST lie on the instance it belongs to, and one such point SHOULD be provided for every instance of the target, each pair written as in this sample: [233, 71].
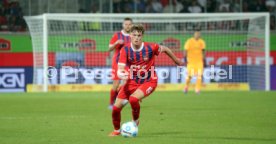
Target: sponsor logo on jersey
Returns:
[145, 58]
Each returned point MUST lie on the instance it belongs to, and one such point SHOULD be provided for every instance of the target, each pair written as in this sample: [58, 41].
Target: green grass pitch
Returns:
[166, 117]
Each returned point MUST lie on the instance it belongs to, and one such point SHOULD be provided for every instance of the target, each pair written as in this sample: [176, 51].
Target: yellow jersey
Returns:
[194, 50]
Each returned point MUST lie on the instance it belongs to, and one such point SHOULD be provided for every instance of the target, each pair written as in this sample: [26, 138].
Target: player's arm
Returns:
[204, 53]
[114, 42]
[169, 53]
[186, 47]
[113, 46]
[121, 72]
[185, 56]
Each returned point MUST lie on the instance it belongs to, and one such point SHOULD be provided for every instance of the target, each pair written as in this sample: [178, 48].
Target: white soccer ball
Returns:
[129, 129]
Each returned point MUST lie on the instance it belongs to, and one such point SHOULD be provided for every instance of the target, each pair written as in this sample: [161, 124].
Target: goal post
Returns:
[267, 51]
[239, 42]
[45, 53]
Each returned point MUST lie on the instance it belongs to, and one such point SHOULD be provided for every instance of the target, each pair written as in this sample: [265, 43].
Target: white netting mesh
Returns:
[234, 43]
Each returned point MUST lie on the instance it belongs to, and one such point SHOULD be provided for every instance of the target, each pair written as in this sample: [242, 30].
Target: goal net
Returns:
[70, 51]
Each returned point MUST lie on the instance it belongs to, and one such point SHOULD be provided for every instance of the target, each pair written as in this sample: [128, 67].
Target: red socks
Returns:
[116, 117]
[116, 112]
[134, 102]
[113, 95]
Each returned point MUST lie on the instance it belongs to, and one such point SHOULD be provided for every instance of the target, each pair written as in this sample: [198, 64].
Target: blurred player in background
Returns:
[118, 40]
[141, 78]
[194, 56]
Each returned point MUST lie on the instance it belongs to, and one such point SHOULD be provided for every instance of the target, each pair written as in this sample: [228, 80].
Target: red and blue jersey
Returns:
[118, 36]
[140, 61]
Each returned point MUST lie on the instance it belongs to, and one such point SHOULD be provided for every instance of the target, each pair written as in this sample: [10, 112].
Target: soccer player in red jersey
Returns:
[118, 40]
[141, 79]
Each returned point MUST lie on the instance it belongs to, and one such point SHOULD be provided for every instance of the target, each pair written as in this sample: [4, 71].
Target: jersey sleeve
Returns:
[123, 56]
[187, 45]
[157, 49]
[113, 39]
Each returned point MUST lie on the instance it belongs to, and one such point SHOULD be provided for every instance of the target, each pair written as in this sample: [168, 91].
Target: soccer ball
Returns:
[129, 129]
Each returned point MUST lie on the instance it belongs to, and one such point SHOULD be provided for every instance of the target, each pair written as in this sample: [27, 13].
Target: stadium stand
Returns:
[12, 11]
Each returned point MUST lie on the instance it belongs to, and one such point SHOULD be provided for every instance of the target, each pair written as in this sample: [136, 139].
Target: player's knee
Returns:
[133, 100]
[124, 102]
[116, 109]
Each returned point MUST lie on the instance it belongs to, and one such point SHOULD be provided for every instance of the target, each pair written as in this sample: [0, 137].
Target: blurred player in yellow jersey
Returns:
[194, 55]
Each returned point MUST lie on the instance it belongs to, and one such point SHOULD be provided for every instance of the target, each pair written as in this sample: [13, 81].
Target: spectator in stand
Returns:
[3, 20]
[141, 6]
[6, 10]
[261, 6]
[12, 16]
[164, 3]
[178, 6]
[235, 6]
[257, 6]
[211, 6]
[126, 6]
[12, 23]
[202, 4]
[149, 8]
[157, 6]
[224, 6]
[272, 22]
[270, 3]
[5, 3]
[174, 7]
[245, 7]
[185, 5]
[271, 7]
[106, 7]
[195, 7]
[154, 6]
[224, 9]
[116, 6]
[168, 8]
